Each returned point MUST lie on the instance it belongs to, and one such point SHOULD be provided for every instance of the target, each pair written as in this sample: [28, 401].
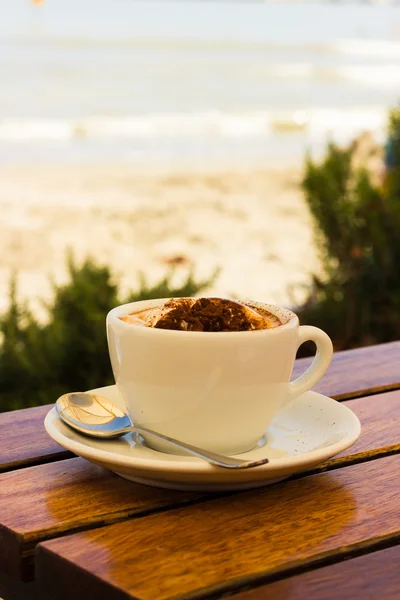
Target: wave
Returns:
[209, 124]
[387, 75]
[374, 48]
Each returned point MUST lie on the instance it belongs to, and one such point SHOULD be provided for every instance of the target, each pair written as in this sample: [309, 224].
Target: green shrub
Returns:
[356, 213]
[39, 362]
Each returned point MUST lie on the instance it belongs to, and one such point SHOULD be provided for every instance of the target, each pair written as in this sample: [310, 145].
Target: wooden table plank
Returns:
[24, 442]
[369, 577]
[359, 372]
[221, 544]
[56, 499]
[49, 500]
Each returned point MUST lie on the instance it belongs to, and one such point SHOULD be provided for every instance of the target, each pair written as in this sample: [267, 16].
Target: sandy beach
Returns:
[254, 226]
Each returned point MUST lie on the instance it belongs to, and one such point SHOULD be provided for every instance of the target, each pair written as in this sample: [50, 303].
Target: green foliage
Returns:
[356, 214]
[39, 362]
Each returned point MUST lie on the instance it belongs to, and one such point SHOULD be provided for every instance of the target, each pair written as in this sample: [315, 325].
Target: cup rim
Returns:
[123, 309]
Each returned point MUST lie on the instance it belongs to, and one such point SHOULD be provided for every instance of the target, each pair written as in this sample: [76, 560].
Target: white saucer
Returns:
[308, 431]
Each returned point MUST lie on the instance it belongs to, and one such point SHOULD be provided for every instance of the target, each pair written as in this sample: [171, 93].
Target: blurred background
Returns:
[172, 131]
[166, 139]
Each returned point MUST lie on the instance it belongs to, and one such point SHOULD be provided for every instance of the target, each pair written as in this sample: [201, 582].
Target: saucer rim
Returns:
[191, 465]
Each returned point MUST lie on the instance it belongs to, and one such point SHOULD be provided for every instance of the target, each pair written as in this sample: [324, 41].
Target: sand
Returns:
[252, 225]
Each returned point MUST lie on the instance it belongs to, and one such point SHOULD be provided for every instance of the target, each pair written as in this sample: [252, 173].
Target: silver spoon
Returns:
[98, 417]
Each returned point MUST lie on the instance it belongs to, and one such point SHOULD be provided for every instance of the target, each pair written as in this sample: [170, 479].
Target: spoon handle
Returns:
[228, 462]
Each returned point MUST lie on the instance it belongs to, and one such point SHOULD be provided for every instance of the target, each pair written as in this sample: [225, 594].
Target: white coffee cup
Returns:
[216, 390]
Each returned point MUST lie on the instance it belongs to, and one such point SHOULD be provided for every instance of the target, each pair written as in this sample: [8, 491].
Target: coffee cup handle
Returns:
[320, 363]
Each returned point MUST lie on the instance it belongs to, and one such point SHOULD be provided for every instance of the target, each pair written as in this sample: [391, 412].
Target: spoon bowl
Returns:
[98, 417]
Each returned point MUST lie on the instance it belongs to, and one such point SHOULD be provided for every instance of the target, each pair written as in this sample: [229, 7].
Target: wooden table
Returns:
[70, 529]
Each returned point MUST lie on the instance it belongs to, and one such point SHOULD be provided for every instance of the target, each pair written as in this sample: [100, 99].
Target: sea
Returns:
[192, 83]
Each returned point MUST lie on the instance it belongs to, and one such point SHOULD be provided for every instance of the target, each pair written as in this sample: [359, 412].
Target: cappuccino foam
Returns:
[205, 314]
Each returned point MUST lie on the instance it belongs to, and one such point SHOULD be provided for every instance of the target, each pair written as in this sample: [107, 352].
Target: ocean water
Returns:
[192, 83]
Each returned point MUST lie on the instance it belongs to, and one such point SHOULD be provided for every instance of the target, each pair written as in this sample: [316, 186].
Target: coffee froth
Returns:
[205, 314]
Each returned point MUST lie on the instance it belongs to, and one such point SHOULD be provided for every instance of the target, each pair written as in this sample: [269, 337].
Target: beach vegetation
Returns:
[354, 198]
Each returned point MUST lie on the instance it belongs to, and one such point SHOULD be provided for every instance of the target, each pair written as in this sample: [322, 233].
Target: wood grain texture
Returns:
[49, 500]
[359, 372]
[371, 577]
[58, 498]
[226, 542]
[24, 441]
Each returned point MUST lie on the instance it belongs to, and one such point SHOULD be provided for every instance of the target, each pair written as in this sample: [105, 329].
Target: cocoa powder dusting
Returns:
[206, 314]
